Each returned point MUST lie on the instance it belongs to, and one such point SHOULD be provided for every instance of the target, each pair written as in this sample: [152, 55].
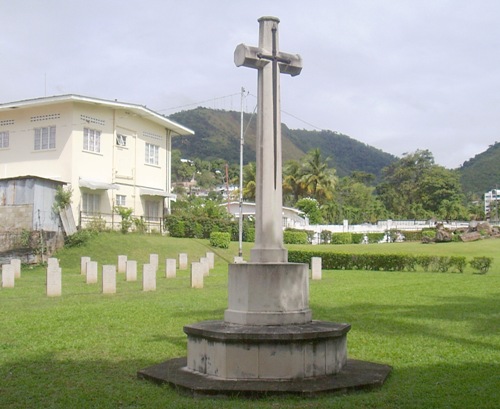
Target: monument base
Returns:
[354, 376]
[229, 359]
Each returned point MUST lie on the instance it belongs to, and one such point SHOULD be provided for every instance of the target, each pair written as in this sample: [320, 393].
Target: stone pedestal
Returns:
[268, 294]
[277, 352]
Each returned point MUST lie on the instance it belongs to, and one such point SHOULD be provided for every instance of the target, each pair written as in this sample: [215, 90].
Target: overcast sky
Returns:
[399, 75]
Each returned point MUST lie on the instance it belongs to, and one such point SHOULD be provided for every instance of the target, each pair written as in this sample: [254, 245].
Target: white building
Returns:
[491, 202]
[110, 153]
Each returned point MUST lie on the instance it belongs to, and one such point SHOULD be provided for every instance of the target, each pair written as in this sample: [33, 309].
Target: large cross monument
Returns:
[267, 342]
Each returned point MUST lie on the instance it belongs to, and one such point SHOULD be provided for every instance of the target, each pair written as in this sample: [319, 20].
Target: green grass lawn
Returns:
[439, 331]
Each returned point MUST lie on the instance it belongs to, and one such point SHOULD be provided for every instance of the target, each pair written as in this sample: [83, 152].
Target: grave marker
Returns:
[108, 279]
[153, 260]
[183, 261]
[16, 264]
[170, 268]
[83, 264]
[122, 264]
[316, 268]
[8, 277]
[205, 265]
[149, 277]
[131, 270]
[91, 269]
[197, 275]
[211, 259]
[54, 279]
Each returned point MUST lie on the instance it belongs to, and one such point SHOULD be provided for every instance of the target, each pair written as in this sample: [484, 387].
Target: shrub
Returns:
[459, 263]
[126, 215]
[96, 224]
[481, 264]
[295, 237]
[220, 240]
[341, 238]
[139, 224]
[325, 236]
[175, 226]
[249, 234]
[357, 238]
[79, 238]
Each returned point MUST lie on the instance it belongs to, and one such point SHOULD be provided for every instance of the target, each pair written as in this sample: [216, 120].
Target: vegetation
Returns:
[83, 350]
[349, 180]
[217, 135]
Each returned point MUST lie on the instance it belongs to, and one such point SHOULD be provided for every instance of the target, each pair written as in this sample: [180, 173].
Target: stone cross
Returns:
[270, 62]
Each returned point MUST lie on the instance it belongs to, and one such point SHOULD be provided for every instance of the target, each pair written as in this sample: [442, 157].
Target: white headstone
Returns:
[316, 268]
[206, 266]
[91, 270]
[211, 259]
[238, 260]
[148, 277]
[122, 264]
[196, 275]
[108, 279]
[53, 262]
[83, 264]
[8, 276]
[131, 270]
[170, 267]
[183, 261]
[54, 280]
[153, 260]
[16, 263]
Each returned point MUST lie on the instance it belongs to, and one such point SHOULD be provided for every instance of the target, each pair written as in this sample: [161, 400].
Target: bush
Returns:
[79, 238]
[341, 238]
[325, 236]
[387, 262]
[481, 264]
[295, 237]
[96, 224]
[459, 263]
[220, 240]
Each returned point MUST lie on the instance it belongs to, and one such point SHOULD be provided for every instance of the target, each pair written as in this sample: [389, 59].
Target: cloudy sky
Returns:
[399, 75]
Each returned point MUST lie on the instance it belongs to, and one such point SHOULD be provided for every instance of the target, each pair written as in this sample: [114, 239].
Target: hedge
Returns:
[388, 262]
[220, 240]
[295, 237]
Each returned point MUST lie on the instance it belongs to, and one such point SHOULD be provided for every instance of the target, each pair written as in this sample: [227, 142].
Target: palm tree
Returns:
[318, 179]
[291, 181]
[249, 185]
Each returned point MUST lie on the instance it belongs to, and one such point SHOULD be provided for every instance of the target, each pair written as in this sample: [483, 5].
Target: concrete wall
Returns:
[16, 217]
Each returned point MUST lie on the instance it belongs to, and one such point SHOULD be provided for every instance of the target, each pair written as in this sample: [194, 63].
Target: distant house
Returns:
[491, 201]
[109, 153]
[291, 218]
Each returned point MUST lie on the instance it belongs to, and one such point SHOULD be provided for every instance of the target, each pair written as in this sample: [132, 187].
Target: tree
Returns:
[415, 187]
[249, 185]
[310, 208]
[317, 178]
[293, 188]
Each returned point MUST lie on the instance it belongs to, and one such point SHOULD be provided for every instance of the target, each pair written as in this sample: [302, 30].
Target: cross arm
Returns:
[253, 57]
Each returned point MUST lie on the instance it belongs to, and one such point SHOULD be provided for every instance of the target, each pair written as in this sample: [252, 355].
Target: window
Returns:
[121, 200]
[152, 153]
[45, 138]
[4, 139]
[91, 140]
[121, 140]
[91, 203]
[151, 210]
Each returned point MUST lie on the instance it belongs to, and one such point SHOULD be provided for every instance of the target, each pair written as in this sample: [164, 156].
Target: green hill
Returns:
[481, 173]
[218, 136]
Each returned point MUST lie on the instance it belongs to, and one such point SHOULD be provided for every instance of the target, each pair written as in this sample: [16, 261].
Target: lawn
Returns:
[439, 331]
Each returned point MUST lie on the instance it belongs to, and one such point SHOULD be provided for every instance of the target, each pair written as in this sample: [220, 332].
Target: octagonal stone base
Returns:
[284, 352]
